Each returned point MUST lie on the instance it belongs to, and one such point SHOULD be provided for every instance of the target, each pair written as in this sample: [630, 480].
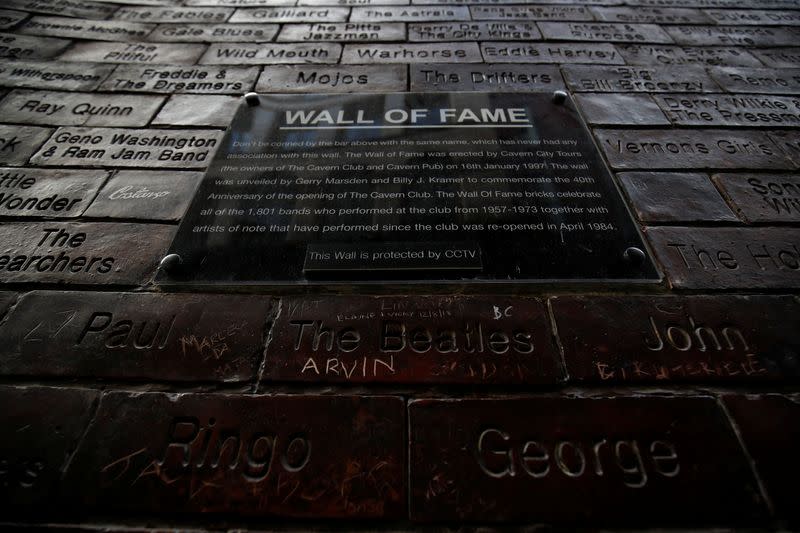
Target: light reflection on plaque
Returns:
[407, 187]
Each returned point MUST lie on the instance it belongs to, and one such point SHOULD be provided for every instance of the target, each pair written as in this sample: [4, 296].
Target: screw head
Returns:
[559, 97]
[634, 256]
[171, 263]
[251, 99]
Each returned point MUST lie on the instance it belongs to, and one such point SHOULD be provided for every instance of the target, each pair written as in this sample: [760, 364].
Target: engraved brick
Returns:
[68, 8]
[10, 18]
[240, 3]
[489, 78]
[779, 57]
[728, 258]
[121, 147]
[195, 79]
[691, 149]
[35, 192]
[165, 337]
[459, 52]
[651, 15]
[756, 17]
[672, 197]
[789, 142]
[624, 456]
[334, 79]
[473, 31]
[565, 53]
[270, 54]
[81, 253]
[6, 299]
[507, 2]
[265, 455]
[597, 78]
[733, 35]
[757, 80]
[620, 109]
[173, 14]
[352, 2]
[78, 109]
[751, 110]
[543, 12]
[670, 55]
[634, 339]
[214, 33]
[43, 426]
[134, 52]
[709, 3]
[165, 3]
[604, 32]
[181, 110]
[769, 426]
[97, 30]
[293, 14]
[409, 14]
[343, 32]
[53, 75]
[145, 195]
[412, 340]
[762, 197]
[14, 46]
[18, 143]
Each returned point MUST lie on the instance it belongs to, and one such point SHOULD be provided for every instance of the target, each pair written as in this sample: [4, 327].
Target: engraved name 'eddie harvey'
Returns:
[514, 117]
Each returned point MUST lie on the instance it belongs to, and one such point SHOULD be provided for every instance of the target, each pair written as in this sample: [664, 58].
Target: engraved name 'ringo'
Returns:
[192, 445]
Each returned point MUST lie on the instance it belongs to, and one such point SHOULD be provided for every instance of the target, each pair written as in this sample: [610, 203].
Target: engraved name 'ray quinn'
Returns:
[399, 188]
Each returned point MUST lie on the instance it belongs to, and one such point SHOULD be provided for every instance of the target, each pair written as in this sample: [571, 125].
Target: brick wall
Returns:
[124, 407]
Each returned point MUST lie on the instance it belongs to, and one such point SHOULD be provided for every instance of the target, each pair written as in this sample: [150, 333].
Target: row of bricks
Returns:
[208, 12]
[656, 197]
[476, 340]
[615, 459]
[53, 108]
[596, 50]
[101, 10]
[613, 78]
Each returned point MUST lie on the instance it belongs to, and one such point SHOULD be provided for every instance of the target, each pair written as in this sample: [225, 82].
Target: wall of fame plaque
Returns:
[449, 188]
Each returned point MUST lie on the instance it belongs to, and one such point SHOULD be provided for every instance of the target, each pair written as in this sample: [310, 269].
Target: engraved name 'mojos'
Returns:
[499, 456]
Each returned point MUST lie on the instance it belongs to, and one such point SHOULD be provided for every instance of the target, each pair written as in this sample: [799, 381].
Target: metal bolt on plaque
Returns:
[251, 99]
[171, 263]
[559, 97]
[634, 256]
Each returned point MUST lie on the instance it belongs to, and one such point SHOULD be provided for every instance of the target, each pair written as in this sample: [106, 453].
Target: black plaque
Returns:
[433, 188]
